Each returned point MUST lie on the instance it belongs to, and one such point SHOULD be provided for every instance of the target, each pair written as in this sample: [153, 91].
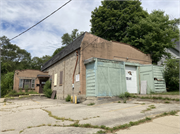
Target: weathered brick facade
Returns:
[66, 65]
[27, 74]
[90, 46]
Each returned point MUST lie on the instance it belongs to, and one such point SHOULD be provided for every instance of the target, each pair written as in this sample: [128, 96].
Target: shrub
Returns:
[26, 88]
[11, 93]
[124, 95]
[47, 89]
[127, 95]
[68, 98]
[171, 74]
[6, 83]
[20, 90]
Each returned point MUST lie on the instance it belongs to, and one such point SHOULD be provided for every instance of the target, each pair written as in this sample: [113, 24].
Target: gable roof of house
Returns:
[66, 51]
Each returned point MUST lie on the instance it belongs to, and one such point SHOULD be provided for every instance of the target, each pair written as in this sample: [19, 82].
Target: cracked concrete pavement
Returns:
[24, 115]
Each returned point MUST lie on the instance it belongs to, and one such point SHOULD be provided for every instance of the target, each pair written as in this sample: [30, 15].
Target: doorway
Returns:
[131, 79]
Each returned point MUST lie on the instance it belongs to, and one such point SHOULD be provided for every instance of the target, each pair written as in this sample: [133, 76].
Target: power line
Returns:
[40, 21]
[109, 28]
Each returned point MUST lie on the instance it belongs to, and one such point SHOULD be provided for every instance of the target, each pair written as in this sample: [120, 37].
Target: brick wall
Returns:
[66, 65]
[93, 46]
[26, 74]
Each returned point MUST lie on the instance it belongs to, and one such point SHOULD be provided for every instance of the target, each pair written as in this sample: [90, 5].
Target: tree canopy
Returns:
[153, 35]
[68, 38]
[37, 62]
[58, 50]
[127, 22]
[114, 17]
[12, 56]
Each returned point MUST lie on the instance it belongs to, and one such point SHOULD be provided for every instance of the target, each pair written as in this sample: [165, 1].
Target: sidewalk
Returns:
[162, 125]
[2, 100]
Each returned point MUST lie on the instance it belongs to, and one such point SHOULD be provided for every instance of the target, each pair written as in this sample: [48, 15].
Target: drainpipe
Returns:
[74, 70]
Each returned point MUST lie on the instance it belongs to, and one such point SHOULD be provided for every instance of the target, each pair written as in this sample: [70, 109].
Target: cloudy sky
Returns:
[18, 15]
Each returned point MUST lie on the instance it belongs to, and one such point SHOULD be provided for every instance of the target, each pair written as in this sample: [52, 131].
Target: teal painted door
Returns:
[110, 78]
[90, 79]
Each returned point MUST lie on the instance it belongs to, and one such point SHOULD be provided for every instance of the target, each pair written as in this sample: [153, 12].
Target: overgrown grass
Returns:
[90, 104]
[7, 130]
[167, 113]
[168, 93]
[148, 109]
[14, 93]
[125, 95]
[154, 97]
[56, 117]
[166, 102]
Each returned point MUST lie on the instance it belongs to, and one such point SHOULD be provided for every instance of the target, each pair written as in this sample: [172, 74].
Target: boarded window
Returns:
[61, 78]
[55, 79]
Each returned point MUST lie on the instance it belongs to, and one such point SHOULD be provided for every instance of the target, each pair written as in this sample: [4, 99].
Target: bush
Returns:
[47, 89]
[124, 95]
[6, 83]
[171, 74]
[26, 88]
[127, 95]
[68, 98]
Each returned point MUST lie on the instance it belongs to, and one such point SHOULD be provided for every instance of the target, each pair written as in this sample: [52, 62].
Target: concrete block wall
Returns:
[66, 65]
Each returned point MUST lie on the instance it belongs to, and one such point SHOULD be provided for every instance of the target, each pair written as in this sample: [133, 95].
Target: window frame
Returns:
[30, 82]
[55, 80]
[61, 78]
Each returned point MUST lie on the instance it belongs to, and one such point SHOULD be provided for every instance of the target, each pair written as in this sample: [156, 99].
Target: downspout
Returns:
[74, 70]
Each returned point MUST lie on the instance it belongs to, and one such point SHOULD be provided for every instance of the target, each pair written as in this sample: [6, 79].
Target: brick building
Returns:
[32, 79]
[68, 68]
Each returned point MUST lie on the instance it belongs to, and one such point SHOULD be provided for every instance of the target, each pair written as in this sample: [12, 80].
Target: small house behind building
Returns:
[31, 79]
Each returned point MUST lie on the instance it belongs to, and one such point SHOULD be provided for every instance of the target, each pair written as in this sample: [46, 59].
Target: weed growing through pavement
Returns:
[119, 101]
[114, 129]
[56, 117]
[90, 104]
[100, 132]
[166, 102]
[154, 97]
[8, 130]
[149, 108]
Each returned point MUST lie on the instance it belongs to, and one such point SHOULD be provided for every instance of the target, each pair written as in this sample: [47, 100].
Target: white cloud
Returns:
[45, 37]
[18, 15]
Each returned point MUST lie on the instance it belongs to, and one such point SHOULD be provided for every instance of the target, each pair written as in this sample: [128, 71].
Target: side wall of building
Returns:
[66, 65]
[26, 74]
[93, 46]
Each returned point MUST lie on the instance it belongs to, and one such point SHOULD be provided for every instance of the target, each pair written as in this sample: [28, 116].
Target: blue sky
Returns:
[18, 15]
